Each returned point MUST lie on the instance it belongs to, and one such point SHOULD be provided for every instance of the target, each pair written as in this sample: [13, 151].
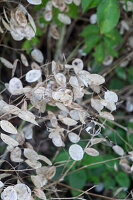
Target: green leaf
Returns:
[130, 74]
[109, 182]
[122, 194]
[122, 179]
[90, 42]
[115, 136]
[97, 172]
[73, 11]
[130, 125]
[116, 84]
[38, 31]
[77, 180]
[110, 46]
[110, 165]
[27, 45]
[99, 53]
[120, 71]
[55, 17]
[90, 30]
[42, 5]
[130, 139]
[51, 108]
[86, 4]
[62, 156]
[35, 41]
[108, 14]
[114, 35]
[92, 160]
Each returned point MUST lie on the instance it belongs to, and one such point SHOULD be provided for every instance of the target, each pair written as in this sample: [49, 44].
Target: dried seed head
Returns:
[39, 180]
[77, 2]
[39, 193]
[16, 155]
[73, 137]
[1, 184]
[9, 140]
[20, 18]
[108, 60]
[23, 191]
[33, 164]
[6, 63]
[9, 193]
[30, 154]
[35, 2]
[76, 152]
[8, 127]
[68, 1]
[106, 115]
[110, 96]
[48, 15]
[91, 152]
[37, 55]
[15, 86]
[77, 65]
[118, 150]
[64, 18]
[93, 19]
[24, 60]
[33, 75]
[60, 79]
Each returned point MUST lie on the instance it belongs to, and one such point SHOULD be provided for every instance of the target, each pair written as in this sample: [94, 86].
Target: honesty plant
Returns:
[63, 85]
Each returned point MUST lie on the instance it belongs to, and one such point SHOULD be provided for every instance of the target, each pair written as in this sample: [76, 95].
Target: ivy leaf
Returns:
[108, 14]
